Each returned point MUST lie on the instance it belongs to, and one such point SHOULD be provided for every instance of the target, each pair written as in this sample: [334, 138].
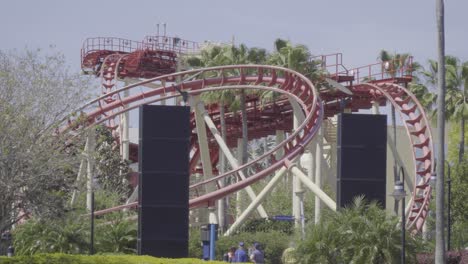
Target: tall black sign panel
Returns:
[362, 158]
[163, 181]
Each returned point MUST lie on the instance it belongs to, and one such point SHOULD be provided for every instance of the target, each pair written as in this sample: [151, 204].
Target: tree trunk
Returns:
[461, 151]
[440, 240]
[222, 169]
[245, 138]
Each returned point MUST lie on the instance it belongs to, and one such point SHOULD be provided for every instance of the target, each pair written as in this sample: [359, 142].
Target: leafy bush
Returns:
[363, 233]
[59, 236]
[116, 236]
[96, 259]
[264, 225]
[113, 234]
[453, 257]
[195, 249]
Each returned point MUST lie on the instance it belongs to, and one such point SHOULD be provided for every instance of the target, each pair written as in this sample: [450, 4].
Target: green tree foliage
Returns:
[362, 233]
[114, 232]
[98, 259]
[456, 98]
[117, 235]
[63, 235]
[36, 91]
[459, 206]
[111, 170]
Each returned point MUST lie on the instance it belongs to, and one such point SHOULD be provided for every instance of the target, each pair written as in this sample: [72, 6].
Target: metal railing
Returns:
[175, 44]
[398, 68]
[332, 63]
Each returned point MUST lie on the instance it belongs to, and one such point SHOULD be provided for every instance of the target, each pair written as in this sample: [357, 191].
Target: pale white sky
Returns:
[359, 29]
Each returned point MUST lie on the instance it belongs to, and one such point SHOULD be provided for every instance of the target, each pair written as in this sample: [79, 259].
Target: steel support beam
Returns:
[90, 168]
[240, 149]
[312, 186]
[375, 108]
[203, 142]
[124, 138]
[81, 172]
[225, 149]
[297, 190]
[256, 202]
[318, 171]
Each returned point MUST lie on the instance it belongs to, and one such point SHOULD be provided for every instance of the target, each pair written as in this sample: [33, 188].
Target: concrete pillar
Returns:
[375, 108]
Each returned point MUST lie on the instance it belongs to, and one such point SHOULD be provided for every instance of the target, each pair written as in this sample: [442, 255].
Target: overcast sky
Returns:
[359, 29]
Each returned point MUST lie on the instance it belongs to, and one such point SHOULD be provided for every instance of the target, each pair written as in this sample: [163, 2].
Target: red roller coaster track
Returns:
[380, 87]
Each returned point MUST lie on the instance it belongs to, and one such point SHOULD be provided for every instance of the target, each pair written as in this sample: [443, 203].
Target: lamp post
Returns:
[400, 194]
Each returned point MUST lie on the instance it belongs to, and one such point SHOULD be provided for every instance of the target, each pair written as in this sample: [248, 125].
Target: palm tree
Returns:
[456, 102]
[456, 98]
[230, 55]
[440, 240]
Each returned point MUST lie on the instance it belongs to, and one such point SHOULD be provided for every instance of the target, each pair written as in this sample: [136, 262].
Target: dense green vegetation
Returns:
[96, 259]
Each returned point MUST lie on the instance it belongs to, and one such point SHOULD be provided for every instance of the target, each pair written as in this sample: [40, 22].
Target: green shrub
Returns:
[363, 233]
[96, 259]
[59, 236]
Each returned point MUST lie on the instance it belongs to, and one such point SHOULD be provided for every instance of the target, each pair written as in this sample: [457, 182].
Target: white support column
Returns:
[223, 146]
[204, 154]
[318, 171]
[375, 108]
[240, 149]
[297, 189]
[133, 197]
[203, 143]
[90, 167]
[81, 172]
[280, 136]
[314, 188]
[256, 202]
[124, 139]
[213, 218]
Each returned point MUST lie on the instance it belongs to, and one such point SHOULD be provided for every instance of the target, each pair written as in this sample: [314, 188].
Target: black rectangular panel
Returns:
[361, 157]
[175, 249]
[349, 189]
[163, 189]
[164, 223]
[163, 181]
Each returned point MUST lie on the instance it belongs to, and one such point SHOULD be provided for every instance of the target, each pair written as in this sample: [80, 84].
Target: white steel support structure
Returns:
[318, 171]
[297, 190]
[280, 136]
[225, 149]
[375, 108]
[204, 152]
[312, 186]
[124, 124]
[90, 167]
[256, 202]
[81, 172]
[240, 149]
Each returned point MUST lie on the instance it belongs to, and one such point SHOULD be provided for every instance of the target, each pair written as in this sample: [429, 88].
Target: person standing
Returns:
[240, 255]
[257, 255]
[229, 256]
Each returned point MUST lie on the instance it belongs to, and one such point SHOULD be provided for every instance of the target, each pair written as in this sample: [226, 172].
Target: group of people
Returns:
[239, 255]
